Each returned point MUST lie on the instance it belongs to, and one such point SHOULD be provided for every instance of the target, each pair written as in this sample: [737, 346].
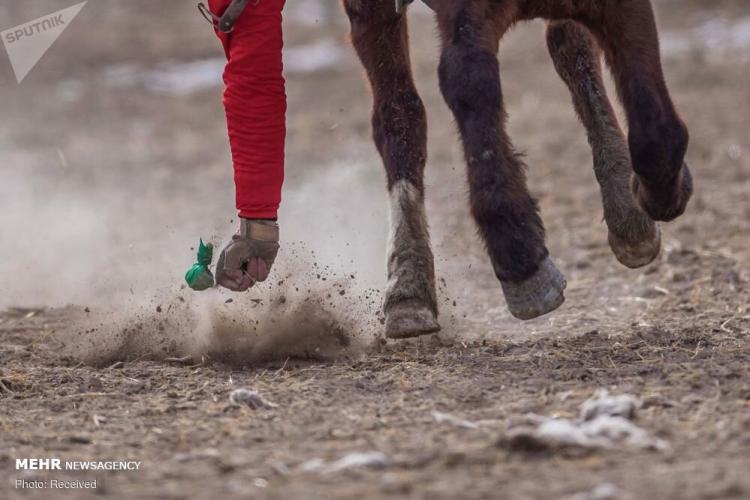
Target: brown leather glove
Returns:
[248, 258]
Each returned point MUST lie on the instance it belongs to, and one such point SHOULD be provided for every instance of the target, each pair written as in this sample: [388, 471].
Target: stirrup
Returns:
[225, 23]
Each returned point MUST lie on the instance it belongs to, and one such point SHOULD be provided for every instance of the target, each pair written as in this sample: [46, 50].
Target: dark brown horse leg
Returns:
[399, 123]
[658, 138]
[507, 216]
[635, 239]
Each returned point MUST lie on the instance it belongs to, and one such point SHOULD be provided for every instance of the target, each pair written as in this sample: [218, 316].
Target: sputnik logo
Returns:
[27, 43]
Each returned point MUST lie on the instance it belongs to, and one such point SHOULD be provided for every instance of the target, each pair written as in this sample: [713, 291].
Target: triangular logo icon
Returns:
[27, 43]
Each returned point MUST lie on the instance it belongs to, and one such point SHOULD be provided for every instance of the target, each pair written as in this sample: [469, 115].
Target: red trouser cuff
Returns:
[270, 215]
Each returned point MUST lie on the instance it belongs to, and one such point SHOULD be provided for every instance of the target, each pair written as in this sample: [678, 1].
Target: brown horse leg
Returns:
[633, 236]
[399, 123]
[658, 138]
[507, 216]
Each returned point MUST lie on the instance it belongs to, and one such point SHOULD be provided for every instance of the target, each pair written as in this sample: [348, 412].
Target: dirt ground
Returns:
[112, 168]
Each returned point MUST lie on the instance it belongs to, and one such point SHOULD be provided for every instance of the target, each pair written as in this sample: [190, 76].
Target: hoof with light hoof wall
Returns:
[538, 295]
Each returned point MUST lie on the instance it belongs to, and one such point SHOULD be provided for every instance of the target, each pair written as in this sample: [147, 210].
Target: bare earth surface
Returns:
[110, 176]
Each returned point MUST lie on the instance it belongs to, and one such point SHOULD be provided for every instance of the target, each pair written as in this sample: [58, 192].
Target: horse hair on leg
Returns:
[658, 138]
[410, 300]
[380, 37]
[642, 180]
[634, 238]
[507, 216]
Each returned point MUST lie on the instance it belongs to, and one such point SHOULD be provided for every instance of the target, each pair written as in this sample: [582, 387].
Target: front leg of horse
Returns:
[379, 35]
[507, 216]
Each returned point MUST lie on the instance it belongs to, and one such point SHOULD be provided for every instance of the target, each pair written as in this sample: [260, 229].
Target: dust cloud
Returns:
[107, 187]
[119, 255]
[315, 314]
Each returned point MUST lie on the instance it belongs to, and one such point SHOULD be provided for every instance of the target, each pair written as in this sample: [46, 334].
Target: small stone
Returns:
[248, 397]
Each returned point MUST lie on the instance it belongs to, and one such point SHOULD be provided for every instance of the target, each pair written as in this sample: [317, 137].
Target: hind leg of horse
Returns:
[399, 125]
[658, 137]
[635, 239]
[507, 216]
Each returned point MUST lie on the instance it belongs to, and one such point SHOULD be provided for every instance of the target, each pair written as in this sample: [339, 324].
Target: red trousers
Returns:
[255, 103]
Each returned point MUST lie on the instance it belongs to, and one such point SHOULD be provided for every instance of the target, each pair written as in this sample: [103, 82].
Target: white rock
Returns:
[248, 397]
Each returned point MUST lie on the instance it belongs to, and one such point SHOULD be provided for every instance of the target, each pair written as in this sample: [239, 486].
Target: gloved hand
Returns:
[248, 258]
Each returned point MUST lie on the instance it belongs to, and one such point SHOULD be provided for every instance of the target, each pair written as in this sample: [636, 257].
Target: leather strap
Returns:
[259, 230]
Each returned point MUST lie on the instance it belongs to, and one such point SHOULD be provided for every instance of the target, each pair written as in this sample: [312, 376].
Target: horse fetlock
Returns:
[410, 305]
[664, 201]
[538, 295]
[409, 319]
[635, 239]
[635, 249]
[412, 278]
[663, 184]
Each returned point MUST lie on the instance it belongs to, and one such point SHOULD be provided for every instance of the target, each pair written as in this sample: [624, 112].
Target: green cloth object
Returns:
[199, 276]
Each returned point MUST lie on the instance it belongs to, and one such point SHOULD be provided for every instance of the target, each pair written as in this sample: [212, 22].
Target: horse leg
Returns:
[507, 216]
[380, 38]
[658, 137]
[634, 238]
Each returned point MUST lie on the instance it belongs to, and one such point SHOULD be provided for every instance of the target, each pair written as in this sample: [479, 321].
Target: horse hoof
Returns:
[410, 319]
[666, 203]
[538, 295]
[639, 253]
